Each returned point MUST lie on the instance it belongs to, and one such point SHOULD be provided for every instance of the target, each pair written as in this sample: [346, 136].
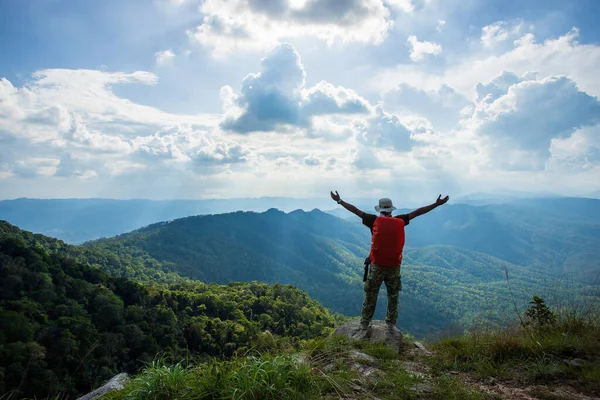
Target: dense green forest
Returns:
[442, 285]
[66, 326]
[73, 316]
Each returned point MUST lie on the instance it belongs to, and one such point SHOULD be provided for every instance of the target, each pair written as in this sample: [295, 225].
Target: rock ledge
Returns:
[116, 383]
[378, 333]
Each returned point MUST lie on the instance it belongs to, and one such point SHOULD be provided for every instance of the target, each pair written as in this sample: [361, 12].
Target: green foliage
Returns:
[395, 384]
[272, 377]
[162, 382]
[527, 355]
[265, 377]
[67, 327]
[443, 286]
[323, 368]
[71, 326]
[323, 255]
[539, 315]
[287, 375]
[448, 387]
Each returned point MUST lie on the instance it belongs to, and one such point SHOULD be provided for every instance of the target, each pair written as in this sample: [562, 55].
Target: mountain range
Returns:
[68, 326]
[78, 220]
[444, 283]
[454, 272]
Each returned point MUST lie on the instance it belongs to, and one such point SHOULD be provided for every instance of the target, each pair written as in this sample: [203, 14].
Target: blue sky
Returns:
[238, 98]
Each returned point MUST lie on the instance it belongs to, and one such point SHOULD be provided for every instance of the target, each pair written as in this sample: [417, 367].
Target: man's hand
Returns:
[335, 196]
[441, 201]
[426, 209]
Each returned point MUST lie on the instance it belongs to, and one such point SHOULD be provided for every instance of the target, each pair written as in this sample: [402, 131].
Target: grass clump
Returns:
[324, 368]
[272, 377]
[546, 346]
[13, 395]
[450, 388]
[266, 377]
[160, 381]
[396, 383]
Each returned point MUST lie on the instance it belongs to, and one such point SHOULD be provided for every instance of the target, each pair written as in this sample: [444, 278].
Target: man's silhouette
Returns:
[387, 244]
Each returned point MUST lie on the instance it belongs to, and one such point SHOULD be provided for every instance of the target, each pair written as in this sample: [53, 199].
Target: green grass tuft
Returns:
[449, 388]
[527, 354]
[565, 350]
[272, 377]
[266, 377]
[159, 381]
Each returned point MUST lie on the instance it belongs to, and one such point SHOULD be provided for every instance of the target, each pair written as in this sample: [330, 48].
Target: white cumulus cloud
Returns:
[442, 106]
[521, 123]
[164, 57]
[404, 5]
[419, 49]
[494, 33]
[561, 55]
[500, 32]
[384, 131]
[276, 97]
[233, 25]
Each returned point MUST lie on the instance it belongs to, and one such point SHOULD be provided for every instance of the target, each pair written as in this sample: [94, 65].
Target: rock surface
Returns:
[358, 356]
[422, 348]
[378, 332]
[116, 383]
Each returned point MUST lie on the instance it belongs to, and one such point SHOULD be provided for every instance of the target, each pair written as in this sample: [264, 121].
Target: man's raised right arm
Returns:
[336, 197]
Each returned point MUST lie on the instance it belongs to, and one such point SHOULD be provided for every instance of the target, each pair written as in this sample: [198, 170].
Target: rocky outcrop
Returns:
[378, 332]
[116, 383]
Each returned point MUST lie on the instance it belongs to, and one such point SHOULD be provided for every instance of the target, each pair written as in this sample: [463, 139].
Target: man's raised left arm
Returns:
[424, 210]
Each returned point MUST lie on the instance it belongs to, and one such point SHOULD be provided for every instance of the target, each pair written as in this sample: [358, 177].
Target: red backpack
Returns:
[387, 242]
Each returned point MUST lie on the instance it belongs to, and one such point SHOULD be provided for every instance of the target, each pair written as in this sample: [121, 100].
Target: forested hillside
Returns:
[554, 235]
[558, 235]
[73, 316]
[323, 255]
[66, 326]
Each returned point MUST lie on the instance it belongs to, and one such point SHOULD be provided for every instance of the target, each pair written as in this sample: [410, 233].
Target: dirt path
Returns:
[510, 390]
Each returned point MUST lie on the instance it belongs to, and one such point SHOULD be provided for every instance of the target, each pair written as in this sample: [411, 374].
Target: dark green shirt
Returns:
[369, 219]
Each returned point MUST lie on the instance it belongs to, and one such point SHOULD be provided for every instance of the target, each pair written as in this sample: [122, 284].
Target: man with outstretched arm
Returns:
[387, 244]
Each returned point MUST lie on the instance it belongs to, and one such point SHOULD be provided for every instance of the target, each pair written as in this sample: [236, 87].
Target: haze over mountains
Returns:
[78, 220]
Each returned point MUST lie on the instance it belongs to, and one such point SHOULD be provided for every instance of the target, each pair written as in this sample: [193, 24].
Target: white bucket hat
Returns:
[385, 205]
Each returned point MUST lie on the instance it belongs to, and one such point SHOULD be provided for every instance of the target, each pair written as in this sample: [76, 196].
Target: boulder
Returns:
[116, 383]
[378, 332]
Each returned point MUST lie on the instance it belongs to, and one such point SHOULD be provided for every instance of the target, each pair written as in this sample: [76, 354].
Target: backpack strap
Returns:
[367, 263]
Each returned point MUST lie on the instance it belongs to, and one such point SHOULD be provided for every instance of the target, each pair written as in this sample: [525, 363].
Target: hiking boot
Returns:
[362, 331]
[361, 334]
[390, 326]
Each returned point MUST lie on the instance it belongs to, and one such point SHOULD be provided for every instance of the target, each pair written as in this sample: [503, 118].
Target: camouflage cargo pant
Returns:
[377, 275]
